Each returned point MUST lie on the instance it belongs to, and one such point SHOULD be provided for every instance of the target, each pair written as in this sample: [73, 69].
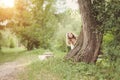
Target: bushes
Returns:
[110, 49]
[37, 36]
[8, 39]
[111, 56]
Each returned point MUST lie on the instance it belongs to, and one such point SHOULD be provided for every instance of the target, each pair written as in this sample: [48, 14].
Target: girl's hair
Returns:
[68, 39]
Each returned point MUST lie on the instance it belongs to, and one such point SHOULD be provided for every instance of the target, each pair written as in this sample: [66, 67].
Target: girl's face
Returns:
[70, 35]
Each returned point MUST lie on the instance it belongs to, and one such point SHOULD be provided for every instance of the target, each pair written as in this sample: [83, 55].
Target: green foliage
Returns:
[111, 48]
[10, 54]
[36, 26]
[51, 27]
[108, 38]
[69, 21]
[59, 69]
[107, 14]
[8, 39]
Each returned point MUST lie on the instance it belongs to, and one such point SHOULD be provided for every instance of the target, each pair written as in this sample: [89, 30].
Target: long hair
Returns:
[69, 39]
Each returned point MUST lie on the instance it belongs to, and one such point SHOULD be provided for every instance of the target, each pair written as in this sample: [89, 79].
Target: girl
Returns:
[71, 39]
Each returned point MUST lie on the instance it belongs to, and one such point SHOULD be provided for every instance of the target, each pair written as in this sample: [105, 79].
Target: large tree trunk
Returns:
[87, 47]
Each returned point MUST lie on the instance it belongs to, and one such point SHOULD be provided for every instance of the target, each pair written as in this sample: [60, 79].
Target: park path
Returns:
[10, 70]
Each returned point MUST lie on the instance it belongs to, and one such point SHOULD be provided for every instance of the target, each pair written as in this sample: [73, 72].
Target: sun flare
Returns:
[7, 3]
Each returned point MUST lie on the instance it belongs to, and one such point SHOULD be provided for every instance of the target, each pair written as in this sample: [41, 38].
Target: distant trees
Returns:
[69, 21]
[34, 22]
[42, 23]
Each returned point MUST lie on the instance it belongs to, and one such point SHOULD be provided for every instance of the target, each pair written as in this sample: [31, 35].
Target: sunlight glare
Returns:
[72, 4]
[7, 3]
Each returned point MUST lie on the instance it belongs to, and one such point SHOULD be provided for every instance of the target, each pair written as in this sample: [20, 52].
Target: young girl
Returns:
[71, 39]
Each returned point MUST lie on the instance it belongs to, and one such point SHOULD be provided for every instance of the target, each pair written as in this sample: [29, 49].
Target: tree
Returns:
[87, 47]
[39, 33]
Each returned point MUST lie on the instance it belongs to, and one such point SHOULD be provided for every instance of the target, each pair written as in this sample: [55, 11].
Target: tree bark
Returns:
[87, 47]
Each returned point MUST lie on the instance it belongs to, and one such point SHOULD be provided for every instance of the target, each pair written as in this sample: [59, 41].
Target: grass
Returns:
[55, 70]
[59, 69]
[5, 50]
[10, 54]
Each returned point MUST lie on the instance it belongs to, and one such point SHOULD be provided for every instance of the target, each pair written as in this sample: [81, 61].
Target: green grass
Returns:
[59, 69]
[10, 54]
[6, 50]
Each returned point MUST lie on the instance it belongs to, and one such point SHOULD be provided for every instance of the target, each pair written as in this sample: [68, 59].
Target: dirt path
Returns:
[9, 70]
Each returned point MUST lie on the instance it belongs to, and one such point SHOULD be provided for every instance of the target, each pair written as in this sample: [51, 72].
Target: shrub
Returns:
[8, 39]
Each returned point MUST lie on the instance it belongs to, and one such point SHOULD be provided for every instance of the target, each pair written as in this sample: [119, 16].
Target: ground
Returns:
[28, 66]
[9, 70]
[12, 65]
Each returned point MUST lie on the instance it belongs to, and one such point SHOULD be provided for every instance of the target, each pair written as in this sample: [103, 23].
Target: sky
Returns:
[72, 4]
[62, 5]
[6, 3]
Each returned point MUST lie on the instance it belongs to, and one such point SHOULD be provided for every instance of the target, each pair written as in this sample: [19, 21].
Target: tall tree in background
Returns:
[87, 47]
[43, 23]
